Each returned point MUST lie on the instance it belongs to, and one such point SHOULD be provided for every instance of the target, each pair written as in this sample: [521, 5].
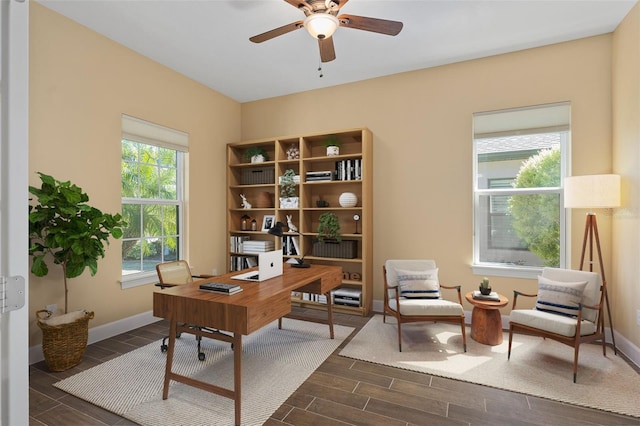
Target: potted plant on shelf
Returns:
[65, 229]
[288, 197]
[255, 154]
[329, 241]
[333, 145]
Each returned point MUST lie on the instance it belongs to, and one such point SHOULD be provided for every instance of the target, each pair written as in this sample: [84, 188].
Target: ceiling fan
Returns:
[321, 22]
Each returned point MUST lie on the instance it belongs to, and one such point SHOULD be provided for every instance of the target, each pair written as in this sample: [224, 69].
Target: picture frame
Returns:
[267, 222]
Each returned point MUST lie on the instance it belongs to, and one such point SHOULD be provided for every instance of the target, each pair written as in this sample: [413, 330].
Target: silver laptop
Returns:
[269, 266]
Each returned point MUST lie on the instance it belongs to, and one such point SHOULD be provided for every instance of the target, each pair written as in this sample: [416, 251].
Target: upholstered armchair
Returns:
[413, 294]
[569, 309]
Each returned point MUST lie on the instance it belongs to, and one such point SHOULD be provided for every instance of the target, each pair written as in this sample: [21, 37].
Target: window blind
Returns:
[154, 134]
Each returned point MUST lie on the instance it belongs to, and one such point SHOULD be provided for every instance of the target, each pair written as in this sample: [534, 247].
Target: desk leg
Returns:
[329, 313]
[173, 329]
[237, 375]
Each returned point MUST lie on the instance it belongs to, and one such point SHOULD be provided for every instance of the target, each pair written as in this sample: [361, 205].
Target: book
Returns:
[221, 288]
[493, 296]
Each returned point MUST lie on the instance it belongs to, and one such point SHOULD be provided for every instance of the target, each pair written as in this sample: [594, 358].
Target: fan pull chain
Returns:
[320, 69]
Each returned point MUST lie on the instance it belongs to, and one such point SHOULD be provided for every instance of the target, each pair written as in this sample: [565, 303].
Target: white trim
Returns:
[105, 331]
[138, 279]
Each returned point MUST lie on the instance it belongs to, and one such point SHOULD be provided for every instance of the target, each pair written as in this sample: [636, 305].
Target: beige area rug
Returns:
[274, 364]
[537, 367]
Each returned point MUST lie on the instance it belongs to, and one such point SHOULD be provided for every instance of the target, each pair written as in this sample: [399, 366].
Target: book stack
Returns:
[349, 169]
[257, 246]
[347, 296]
[319, 176]
[290, 245]
[493, 296]
[221, 288]
[237, 243]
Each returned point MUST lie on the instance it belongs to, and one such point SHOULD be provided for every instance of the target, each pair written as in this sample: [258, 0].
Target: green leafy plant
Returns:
[536, 216]
[288, 184]
[484, 283]
[255, 150]
[329, 227]
[332, 140]
[62, 225]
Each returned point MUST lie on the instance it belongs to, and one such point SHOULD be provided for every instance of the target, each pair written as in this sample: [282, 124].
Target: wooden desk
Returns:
[486, 321]
[256, 306]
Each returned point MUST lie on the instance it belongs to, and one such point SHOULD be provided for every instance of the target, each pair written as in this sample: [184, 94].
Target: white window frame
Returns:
[141, 131]
[522, 125]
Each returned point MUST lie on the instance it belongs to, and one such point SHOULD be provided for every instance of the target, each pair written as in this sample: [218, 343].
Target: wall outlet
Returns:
[52, 307]
[214, 271]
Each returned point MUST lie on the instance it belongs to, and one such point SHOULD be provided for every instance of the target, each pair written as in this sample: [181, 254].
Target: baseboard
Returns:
[103, 332]
[630, 351]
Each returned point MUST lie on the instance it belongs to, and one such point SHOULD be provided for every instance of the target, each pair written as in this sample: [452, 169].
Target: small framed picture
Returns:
[268, 222]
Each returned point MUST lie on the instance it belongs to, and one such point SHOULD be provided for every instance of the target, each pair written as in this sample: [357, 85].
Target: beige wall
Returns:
[421, 122]
[80, 84]
[626, 162]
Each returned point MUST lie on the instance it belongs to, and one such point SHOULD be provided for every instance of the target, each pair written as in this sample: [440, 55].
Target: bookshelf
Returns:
[350, 172]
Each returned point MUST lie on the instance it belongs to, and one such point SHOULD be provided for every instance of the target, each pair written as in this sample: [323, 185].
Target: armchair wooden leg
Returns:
[575, 362]
[399, 335]
[510, 337]
[464, 337]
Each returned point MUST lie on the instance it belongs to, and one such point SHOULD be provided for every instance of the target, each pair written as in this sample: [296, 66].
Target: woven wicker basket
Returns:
[63, 345]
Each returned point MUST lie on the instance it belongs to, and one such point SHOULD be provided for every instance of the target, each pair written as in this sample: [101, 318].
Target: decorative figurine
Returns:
[245, 204]
[290, 225]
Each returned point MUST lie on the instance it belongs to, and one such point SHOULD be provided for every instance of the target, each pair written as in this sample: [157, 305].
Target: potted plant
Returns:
[329, 228]
[71, 233]
[288, 197]
[329, 242]
[485, 289]
[256, 154]
[332, 144]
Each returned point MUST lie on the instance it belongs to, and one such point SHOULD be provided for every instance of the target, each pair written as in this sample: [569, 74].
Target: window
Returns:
[519, 163]
[152, 199]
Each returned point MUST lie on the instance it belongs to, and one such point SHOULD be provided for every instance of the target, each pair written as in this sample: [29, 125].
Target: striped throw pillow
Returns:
[419, 284]
[559, 297]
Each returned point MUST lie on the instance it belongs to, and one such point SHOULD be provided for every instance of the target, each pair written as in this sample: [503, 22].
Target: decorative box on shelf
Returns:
[345, 249]
[258, 176]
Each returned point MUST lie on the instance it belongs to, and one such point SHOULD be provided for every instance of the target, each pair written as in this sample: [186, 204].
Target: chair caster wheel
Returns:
[201, 356]
[164, 348]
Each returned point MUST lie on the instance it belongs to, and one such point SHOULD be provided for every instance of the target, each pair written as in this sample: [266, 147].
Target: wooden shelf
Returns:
[255, 179]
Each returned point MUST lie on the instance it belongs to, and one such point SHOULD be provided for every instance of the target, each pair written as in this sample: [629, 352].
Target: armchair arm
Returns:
[517, 293]
[453, 287]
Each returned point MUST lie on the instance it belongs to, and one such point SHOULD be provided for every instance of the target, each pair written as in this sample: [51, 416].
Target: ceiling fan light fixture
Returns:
[321, 25]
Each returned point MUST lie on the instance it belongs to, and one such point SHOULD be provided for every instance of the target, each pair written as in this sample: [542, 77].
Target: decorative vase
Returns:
[257, 158]
[348, 199]
[293, 153]
[289, 202]
[333, 150]
[485, 290]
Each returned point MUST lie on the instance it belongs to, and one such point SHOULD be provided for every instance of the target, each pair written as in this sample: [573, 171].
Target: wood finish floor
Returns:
[341, 392]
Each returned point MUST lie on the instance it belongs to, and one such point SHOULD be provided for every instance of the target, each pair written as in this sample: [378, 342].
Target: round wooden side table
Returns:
[486, 322]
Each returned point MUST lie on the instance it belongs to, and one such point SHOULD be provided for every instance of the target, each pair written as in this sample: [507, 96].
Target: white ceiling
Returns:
[208, 40]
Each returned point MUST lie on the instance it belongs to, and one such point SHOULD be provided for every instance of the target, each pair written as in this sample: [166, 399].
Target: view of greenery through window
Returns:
[517, 209]
[151, 206]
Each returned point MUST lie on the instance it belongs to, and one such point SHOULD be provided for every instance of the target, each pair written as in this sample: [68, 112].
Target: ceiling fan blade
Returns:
[375, 25]
[327, 52]
[276, 32]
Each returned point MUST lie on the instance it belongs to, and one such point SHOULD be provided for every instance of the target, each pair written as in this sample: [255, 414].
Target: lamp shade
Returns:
[277, 229]
[592, 191]
[321, 25]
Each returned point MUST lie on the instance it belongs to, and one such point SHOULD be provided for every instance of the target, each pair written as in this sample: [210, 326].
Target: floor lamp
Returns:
[591, 192]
